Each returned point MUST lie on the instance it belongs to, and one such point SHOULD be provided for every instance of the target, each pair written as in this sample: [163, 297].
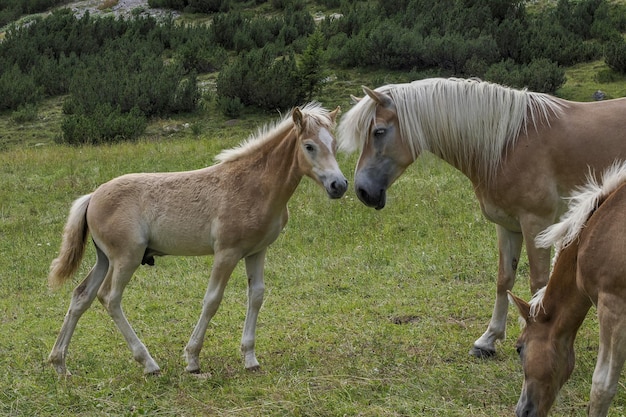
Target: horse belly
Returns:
[181, 240]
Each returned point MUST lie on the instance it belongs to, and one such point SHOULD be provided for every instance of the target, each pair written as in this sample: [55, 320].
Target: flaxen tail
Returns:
[73, 245]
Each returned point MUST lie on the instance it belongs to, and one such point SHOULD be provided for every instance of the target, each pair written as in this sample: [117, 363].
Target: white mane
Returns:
[468, 123]
[536, 303]
[582, 204]
[316, 116]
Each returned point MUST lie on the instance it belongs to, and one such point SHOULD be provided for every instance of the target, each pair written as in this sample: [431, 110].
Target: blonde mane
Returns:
[314, 112]
[583, 202]
[536, 303]
[469, 123]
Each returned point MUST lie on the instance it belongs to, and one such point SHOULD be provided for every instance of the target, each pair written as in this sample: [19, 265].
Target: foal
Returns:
[233, 210]
[590, 268]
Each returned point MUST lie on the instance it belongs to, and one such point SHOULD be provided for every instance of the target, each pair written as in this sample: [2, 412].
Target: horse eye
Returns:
[380, 132]
[519, 349]
[309, 148]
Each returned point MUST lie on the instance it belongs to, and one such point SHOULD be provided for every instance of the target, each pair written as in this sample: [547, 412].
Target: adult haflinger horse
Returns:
[233, 209]
[522, 151]
[589, 268]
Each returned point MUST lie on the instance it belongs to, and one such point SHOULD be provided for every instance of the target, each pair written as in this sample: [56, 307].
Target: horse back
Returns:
[587, 136]
[548, 161]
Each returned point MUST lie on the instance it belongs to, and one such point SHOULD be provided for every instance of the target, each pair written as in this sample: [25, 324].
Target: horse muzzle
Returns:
[526, 409]
[336, 188]
[376, 198]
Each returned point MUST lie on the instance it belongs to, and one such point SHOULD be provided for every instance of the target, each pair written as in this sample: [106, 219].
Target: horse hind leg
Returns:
[110, 296]
[82, 297]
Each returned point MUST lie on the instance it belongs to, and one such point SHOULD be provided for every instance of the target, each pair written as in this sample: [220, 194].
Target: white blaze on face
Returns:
[326, 138]
[326, 169]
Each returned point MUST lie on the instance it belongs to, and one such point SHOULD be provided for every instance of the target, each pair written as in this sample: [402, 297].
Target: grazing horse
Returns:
[233, 210]
[589, 268]
[522, 151]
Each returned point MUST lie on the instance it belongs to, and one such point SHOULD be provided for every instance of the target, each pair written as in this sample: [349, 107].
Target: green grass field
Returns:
[367, 313]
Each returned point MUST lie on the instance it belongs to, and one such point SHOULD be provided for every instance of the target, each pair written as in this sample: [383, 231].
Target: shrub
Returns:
[615, 55]
[230, 106]
[260, 78]
[17, 88]
[540, 75]
[25, 113]
[104, 125]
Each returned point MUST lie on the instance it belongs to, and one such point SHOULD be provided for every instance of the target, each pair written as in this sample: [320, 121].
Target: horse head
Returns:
[384, 153]
[547, 359]
[318, 149]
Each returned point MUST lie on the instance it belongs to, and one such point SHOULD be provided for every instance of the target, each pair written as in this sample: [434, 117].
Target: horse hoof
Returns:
[255, 368]
[482, 353]
[156, 372]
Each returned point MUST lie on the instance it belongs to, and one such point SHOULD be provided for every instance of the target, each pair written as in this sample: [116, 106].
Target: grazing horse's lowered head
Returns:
[588, 270]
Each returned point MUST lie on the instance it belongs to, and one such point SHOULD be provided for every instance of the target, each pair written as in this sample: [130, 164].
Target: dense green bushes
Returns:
[473, 37]
[11, 10]
[140, 68]
[113, 70]
[117, 73]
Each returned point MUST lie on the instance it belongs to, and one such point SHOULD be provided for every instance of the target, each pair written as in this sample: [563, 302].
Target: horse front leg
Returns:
[611, 355]
[256, 289]
[510, 248]
[223, 265]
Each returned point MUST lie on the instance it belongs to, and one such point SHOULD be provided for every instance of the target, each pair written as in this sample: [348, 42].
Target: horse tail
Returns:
[583, 203]
[73, 245]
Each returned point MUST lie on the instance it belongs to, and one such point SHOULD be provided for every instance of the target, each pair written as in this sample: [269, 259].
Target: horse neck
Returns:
[273, 166]
[564, 301]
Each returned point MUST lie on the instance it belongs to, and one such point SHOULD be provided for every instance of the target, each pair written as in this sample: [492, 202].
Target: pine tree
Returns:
[312, 65]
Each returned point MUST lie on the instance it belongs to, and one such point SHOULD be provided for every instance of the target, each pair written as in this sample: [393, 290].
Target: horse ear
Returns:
[298, 118]
[522, 306]
[355, 99]
[333, 114]
[380, 98]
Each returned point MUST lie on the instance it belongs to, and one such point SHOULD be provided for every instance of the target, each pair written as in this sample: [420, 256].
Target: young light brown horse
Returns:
[233, 210]
[589, 268]
[522, 151]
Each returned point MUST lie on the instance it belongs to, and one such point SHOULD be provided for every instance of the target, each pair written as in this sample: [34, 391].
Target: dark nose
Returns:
[371, 200]
[338, 188]
[363, 195]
